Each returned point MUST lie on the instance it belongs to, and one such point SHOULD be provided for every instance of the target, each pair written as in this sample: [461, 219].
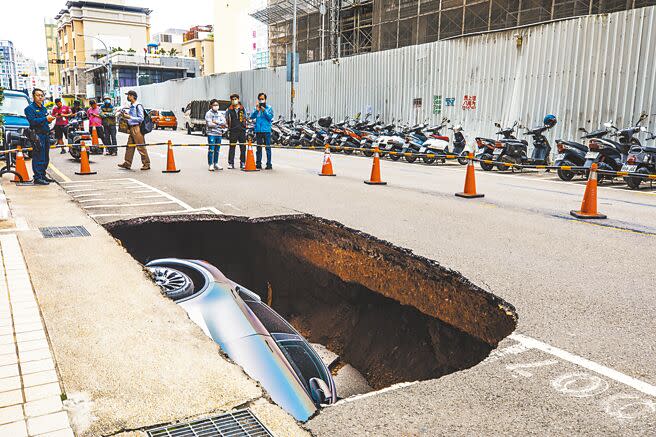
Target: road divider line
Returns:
[59, 173]
[613, 374]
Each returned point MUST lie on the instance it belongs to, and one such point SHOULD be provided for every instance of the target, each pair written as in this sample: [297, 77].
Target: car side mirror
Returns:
[320, 391]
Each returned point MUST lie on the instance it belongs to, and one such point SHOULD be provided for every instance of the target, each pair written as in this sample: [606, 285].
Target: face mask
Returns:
[107, 102]
[262, 102]
[235, 101]
[215, 108]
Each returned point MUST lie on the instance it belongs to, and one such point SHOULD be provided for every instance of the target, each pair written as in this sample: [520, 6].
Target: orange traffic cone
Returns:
[470, 181]
[170, 160]
[21, 168]
[94, 136]
[375, 170]
[250, 158]
[85, 169]
[589, 204]
[327, 167]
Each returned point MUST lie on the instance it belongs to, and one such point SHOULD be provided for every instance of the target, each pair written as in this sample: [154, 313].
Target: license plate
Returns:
[591, 155]
[167, 119]
[497, 151]
[560, 157]
[629, 168]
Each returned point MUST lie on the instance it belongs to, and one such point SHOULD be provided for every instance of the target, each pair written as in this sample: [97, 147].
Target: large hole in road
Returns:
[389, 313]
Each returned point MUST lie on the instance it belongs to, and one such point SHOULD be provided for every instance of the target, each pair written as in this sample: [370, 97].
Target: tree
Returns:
[161, 51]
[173, 52]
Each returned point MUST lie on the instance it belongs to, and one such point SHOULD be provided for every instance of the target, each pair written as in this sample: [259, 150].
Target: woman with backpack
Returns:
[135, 115]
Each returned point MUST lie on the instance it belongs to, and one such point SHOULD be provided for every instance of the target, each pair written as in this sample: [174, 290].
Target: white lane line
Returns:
[168, 196]
[91, 181]
[110, 199]
[129, 205]
[184, 211]
[641, 386]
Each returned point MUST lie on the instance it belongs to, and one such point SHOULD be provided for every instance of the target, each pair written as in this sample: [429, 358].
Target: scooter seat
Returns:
[574, 144]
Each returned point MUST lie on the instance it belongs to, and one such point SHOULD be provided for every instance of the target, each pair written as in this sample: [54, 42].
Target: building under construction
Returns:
[333, 28]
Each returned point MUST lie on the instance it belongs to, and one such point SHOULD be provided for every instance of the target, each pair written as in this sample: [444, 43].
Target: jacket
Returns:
[215, 122]
[93, 114]
[263, 119]
[107, 115]
[236, 118]
[38, 118]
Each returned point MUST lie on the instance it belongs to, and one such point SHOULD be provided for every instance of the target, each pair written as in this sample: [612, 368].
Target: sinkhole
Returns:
[392, 315]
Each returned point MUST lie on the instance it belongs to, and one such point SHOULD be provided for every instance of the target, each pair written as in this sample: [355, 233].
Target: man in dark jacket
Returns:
[108, 116]
[236, 120]
[39, 118]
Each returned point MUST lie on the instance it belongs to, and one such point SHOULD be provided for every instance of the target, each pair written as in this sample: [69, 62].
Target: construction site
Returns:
[329, 29]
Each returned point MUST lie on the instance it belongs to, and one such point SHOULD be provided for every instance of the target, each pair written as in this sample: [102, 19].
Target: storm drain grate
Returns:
[64, 231]
[236, 424]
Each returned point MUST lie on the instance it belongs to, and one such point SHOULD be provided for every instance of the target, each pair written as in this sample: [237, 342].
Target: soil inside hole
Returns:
[391, 314]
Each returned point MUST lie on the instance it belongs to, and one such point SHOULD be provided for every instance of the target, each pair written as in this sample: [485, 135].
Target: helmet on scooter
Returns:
[550, 120]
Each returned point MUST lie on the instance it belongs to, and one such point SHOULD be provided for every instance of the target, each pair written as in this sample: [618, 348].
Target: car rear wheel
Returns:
[174, 283]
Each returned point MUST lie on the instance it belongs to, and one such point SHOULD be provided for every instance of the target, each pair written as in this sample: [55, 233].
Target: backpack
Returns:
[146, 125]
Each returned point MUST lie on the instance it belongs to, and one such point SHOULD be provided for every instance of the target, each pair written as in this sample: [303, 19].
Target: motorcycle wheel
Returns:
[368, 152]
[463, 161]
[485, 166]
[396, 156]
[600, 177]
[428, 160]
[634, 182]
[349, 150]
[411, 158]
[501, 167]
[566, 175]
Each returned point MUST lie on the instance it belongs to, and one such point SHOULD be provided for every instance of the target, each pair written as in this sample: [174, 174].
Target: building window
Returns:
[192, 52]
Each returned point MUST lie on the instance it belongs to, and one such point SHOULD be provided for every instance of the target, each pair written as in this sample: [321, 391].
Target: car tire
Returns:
[173, 283]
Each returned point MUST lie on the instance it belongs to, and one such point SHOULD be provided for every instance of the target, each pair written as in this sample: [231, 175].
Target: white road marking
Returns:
[168, 196]
[532, 343]
[129, 205]
[110, 199]
[519, 367]
[90, 181]
[233, 206]
[192, 211]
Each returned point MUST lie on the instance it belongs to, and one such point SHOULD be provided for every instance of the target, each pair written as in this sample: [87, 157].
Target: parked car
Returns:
[194, 114]
[163, 119]
[252, 334]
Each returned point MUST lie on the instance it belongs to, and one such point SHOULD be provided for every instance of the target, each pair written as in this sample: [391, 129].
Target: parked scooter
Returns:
[641, 159]
[572, 153]
[515, 151]
[496, 147]
[75, 133]
[436, 143]
[459, 145]
[611, 155]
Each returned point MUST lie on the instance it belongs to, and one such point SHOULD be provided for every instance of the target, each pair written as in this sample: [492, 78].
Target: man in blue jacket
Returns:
[40, 119]
[263, 115]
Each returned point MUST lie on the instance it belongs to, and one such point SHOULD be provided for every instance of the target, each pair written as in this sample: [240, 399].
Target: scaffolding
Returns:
[333, 28]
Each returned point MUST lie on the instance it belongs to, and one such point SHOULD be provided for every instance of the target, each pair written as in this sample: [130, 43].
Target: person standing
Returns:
[215, 123]
[39, 119]
[263, 116]
[109, 125]
[236, 122]
[61, 113]
[134, 115]
[95, 122]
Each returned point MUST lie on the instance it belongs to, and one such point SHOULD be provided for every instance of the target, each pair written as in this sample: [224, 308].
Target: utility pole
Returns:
[293, 66]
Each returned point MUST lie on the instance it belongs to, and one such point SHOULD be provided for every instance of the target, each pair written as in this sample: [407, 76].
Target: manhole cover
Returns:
[64, 231]
[236, 424]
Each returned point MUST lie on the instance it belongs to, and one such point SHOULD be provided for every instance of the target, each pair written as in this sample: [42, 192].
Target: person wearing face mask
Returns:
[263, 116]
[109, 125]
[215, 121]
[236, 122]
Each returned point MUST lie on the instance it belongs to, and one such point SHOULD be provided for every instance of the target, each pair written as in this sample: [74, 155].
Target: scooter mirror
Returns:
[608, 124]
[642, 117]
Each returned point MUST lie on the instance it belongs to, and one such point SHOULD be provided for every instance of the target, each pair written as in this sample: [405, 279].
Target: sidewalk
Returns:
[80, 321]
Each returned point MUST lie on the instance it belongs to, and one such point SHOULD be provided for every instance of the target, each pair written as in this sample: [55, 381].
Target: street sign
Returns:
[437, 105]
[289, 65]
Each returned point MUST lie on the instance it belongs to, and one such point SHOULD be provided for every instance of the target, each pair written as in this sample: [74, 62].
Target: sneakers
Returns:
[145, 167]
[268, 167]
[231, 166]
[62, 151]
[125, 166]
[241, 165]
[258, 166]
[211, 167]
[217, 167]
[41, 182]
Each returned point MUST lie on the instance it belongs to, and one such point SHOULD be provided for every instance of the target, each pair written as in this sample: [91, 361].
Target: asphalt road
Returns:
[584, 290]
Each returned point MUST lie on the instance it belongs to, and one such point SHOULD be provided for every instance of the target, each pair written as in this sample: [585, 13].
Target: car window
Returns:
[303, 360]
[269, 318]
[167, 113]
[14, 105]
